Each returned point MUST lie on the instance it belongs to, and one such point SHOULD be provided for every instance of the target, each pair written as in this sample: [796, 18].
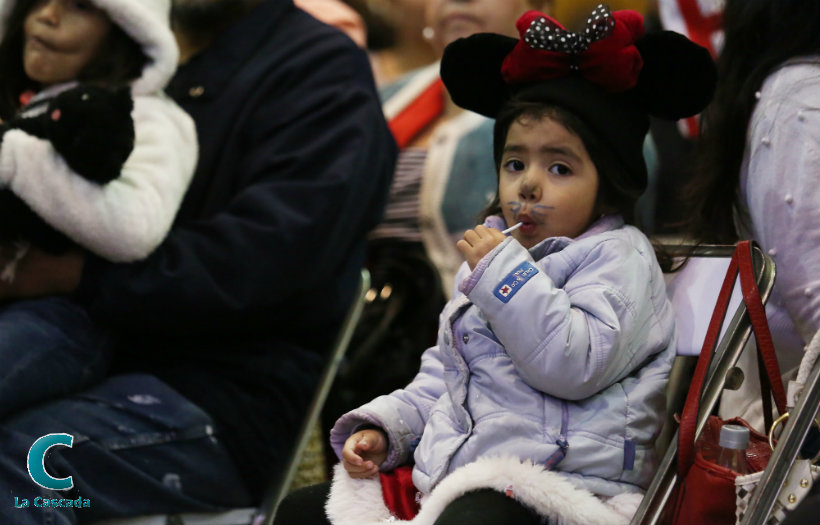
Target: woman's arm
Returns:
[782, 189]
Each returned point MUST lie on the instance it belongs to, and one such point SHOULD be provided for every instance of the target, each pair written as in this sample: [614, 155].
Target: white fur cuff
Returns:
[360, 502]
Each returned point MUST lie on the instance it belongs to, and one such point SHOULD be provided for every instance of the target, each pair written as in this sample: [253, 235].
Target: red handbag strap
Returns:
[689, 418]
[760, 325]
[741, 262]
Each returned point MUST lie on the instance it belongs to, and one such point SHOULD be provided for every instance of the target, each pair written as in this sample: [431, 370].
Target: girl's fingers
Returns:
[349, 454]
[363, 445]
[357, 467]
[363, 475]
[365, 470]
[480, 233]
[497, 235]
[471, 237]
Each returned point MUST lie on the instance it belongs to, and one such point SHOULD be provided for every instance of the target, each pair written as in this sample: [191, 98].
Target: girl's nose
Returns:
[48, 11]
[529, 190]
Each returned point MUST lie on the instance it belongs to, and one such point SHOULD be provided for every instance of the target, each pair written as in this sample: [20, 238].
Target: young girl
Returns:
[544, 394]
[49, 346]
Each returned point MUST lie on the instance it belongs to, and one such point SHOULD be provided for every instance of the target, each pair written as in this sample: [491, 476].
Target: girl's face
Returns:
[546, 180]
[454, 19]
[61, 37]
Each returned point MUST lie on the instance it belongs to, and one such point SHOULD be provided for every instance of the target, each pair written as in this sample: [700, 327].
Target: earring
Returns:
[428, 33]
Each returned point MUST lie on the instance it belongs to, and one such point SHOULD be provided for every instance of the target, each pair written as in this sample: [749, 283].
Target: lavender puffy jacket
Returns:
[573, 338]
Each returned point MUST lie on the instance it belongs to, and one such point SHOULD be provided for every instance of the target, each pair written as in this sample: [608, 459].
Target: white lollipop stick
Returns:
[512, 228]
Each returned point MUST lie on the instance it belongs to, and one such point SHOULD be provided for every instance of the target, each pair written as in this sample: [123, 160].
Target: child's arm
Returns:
[573, 340]
[127, 218]
[401, 415]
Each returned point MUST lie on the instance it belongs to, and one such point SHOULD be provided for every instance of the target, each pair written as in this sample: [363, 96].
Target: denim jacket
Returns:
[558, 354]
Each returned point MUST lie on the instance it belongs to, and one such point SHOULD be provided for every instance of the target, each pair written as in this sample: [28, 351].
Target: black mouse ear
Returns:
[471, 71]
[678, 76]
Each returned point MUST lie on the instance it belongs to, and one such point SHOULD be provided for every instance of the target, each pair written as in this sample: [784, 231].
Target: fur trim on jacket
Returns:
[550, 494]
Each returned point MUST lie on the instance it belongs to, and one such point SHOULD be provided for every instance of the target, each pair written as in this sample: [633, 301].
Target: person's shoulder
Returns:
[620, 244]
[790, 92]
[631, 238]
[797, 80]
[807, 66]
[339, 15]
[305, 32]
[307, 51]
[296, 59]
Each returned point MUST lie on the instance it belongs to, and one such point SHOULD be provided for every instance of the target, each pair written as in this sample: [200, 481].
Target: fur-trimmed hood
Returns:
[148, 23]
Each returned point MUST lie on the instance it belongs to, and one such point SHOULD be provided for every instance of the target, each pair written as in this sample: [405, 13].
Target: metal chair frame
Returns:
[784, 454]
[727, 352]
[278, 492]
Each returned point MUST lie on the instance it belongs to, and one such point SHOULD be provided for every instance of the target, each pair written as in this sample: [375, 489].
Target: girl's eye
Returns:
[83, 5]
[560, 169]
[514, 165]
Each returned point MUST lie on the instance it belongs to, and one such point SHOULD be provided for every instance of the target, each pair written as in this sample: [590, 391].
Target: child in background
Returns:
[49, 346]
[545, 392]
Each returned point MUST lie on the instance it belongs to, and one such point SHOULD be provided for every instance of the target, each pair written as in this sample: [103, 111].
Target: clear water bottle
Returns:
[732, 454]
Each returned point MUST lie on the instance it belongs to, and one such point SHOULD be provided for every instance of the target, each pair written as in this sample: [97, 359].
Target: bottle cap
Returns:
[734, 436]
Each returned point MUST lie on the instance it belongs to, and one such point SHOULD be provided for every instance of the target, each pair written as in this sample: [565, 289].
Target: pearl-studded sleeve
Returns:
[780, 181]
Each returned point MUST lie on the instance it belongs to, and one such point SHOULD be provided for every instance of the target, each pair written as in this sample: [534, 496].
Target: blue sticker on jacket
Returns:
[514, 281]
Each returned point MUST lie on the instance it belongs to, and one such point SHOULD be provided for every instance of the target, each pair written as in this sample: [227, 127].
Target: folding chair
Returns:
[279, 487]
[693, 291]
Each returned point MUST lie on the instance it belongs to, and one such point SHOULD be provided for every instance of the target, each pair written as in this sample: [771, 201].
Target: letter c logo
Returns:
[37, 457]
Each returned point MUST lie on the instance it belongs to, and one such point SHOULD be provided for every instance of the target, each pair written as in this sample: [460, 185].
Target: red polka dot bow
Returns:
[604, 52]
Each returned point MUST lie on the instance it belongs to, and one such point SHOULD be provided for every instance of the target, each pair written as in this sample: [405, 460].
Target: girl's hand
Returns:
[363, 452]
[479, 242]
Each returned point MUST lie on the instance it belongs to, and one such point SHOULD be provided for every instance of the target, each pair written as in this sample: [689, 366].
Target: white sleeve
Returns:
[783, 192]
[127, 218]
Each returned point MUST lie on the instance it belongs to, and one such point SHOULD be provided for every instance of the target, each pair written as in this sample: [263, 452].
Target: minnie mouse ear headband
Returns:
[611, 75]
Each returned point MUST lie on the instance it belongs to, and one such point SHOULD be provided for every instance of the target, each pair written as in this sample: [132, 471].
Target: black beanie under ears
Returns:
[612, 76]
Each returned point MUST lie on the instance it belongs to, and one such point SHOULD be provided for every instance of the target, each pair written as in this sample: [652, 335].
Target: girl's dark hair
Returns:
[613, 194]
[120, 61]
[759, 36]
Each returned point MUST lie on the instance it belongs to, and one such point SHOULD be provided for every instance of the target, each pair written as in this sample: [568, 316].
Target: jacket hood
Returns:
[148, 23]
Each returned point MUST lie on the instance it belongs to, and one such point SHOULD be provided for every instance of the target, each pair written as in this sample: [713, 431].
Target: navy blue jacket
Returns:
[236, 306]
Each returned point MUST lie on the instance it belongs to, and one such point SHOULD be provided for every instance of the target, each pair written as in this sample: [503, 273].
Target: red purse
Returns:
[706, 491]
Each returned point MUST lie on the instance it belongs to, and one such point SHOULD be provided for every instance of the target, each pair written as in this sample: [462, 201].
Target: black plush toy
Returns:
[92, 129]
